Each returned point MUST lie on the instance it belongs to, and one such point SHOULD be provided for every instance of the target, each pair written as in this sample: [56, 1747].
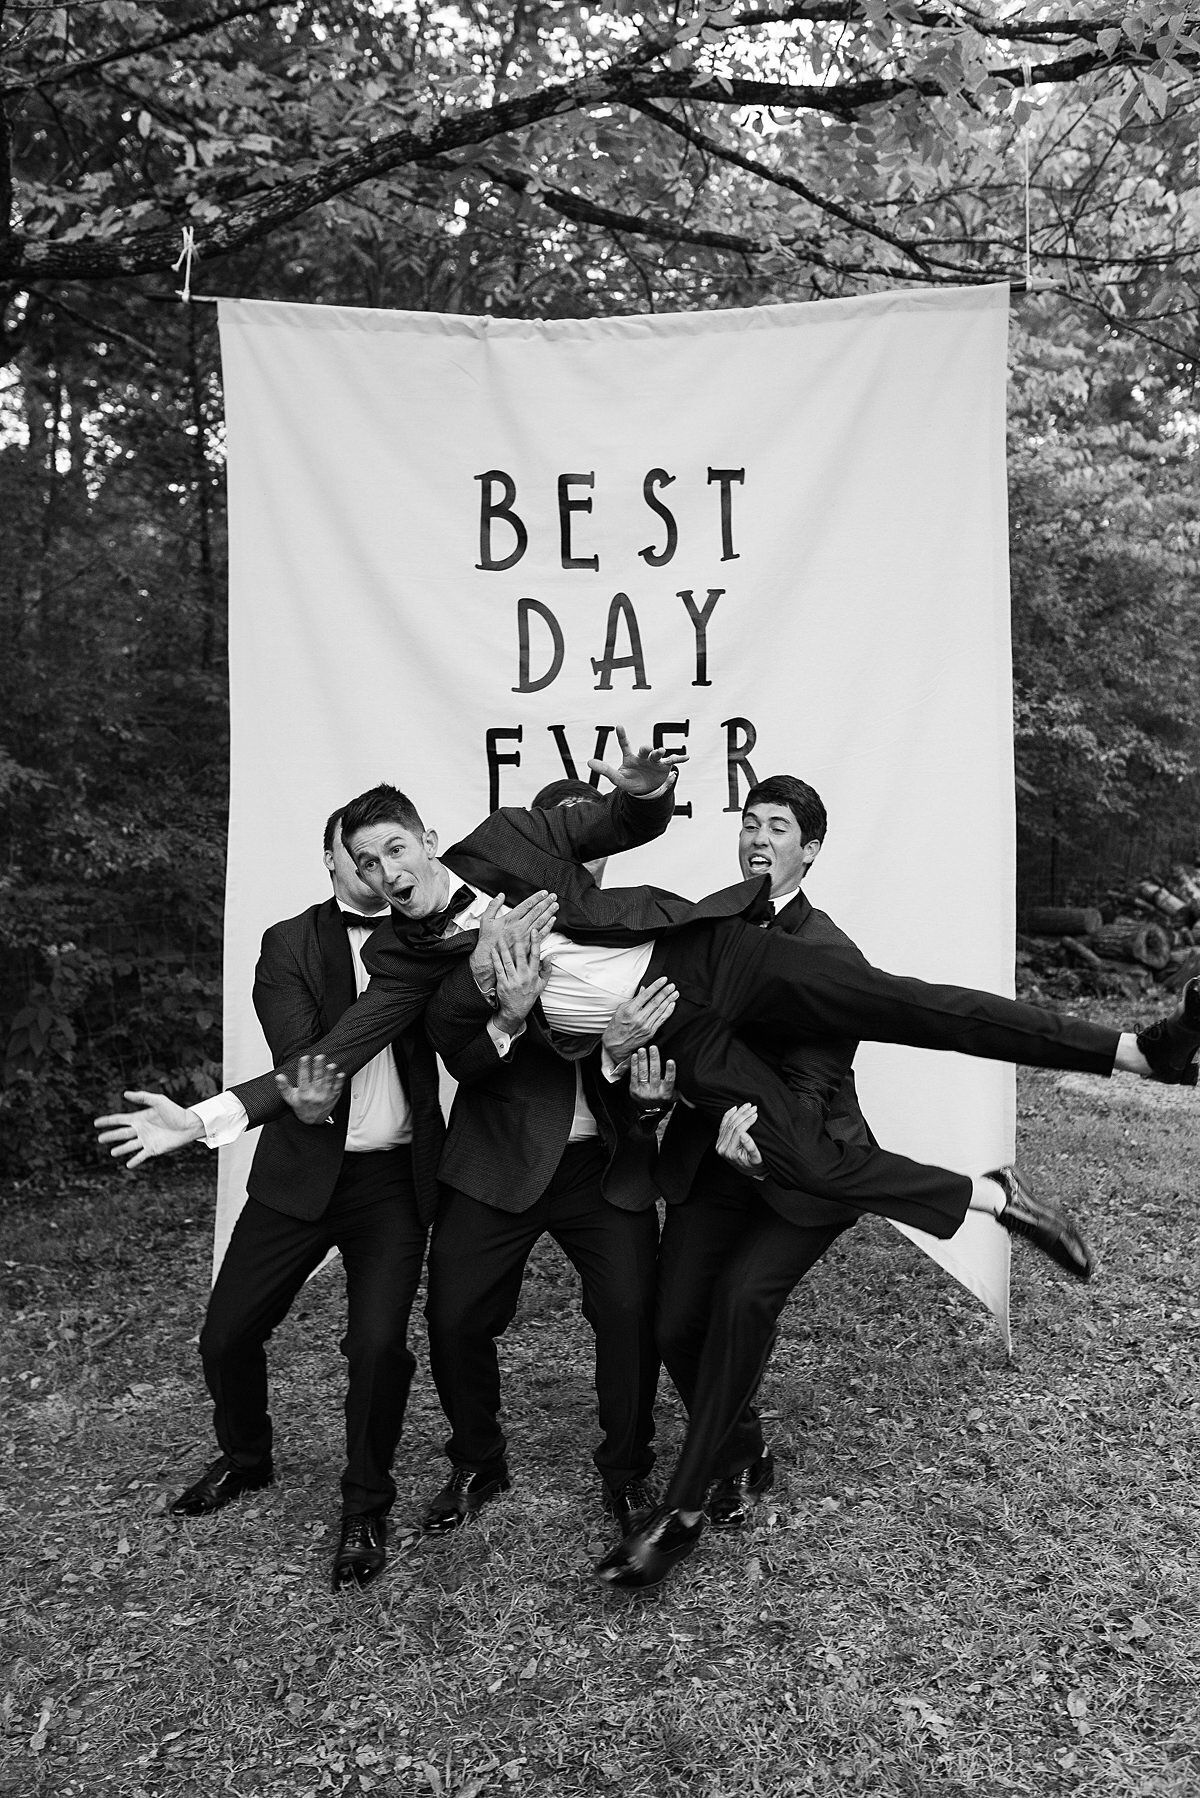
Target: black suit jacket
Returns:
[511, 1119]
[516, 852]
[819, 1073]
[303, 983]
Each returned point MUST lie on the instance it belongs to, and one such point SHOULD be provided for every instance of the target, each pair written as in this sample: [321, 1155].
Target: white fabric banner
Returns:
[463, 549]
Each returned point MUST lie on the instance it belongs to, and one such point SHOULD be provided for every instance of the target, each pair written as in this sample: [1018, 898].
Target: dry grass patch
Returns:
[975, 1577]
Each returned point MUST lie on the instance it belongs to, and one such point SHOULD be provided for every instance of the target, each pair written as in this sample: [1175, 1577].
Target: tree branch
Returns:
[777, 178]
[69, 71]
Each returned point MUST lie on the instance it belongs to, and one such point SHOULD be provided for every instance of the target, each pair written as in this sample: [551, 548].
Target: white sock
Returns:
[987, 1195]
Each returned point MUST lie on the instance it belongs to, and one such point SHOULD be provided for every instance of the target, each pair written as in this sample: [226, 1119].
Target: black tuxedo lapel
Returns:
[340, 990]
[792, 917]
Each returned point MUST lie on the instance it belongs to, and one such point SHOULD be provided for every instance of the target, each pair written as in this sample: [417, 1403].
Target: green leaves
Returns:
[241, 124]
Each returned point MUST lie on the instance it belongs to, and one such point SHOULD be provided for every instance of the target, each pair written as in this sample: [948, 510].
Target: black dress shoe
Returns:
[731, 1500]
[1170, 1045]
[647, 1554]
[219, 1485]
[630, 1504]
[1047, 1226]
[464, 1493]
[361, 1553]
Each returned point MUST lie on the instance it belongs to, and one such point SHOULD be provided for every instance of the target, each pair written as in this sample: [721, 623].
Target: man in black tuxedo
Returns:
[540, 1143]
[365, 1185]
[735, 1247]
[731, 979]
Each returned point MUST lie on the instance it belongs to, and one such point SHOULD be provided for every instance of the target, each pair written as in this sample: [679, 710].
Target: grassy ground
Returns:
[976, 1577]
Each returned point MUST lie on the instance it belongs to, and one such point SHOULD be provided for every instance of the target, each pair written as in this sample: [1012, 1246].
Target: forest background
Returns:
[544, 160]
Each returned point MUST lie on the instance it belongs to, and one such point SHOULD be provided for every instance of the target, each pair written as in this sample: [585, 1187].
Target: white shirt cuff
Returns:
[501, 1040]
[608, 1065]
[223, 1118]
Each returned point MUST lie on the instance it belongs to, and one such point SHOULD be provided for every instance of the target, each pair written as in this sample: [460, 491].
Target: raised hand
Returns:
[159, 1128]
[735, 1144]
[642, 771]
[651, 1086]
[636, 1021]
[318, 1087]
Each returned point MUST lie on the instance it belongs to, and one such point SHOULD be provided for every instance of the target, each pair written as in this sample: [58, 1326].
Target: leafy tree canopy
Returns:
[681, 153]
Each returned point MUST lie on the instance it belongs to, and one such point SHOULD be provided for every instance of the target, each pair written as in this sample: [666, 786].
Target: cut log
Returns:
[1167, 903]
[1148, 944]
[1185, 883]
[1064, 920]
[1080, 952]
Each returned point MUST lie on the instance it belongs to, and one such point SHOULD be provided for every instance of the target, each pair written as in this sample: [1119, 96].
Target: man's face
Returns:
[771, 842]
[348, 889]
[401, 869]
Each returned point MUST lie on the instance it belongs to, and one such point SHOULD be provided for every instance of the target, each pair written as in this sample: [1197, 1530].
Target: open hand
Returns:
[735, 1144]
[318, 1087]
[636, 1021]
[642, 771]
[537, 913]
[521, 977]
[159, 1128]
[651, 1086]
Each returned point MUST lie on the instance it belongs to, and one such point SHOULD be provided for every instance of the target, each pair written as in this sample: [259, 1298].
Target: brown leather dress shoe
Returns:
[1170, 1045]
[465, 1492]
[361, 1553]
[218, 1486]
[731, 1500]
[1051, 1229]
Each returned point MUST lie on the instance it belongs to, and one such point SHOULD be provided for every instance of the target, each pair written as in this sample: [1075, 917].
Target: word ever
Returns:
[740, 738]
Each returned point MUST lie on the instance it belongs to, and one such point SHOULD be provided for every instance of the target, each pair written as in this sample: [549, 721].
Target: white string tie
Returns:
[189, 250]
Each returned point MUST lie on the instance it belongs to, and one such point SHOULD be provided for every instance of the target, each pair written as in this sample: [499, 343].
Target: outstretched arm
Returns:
[160, 1126]
[375, 1019]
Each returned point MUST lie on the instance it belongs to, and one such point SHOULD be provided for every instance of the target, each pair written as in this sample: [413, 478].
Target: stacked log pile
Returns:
[1133, 939]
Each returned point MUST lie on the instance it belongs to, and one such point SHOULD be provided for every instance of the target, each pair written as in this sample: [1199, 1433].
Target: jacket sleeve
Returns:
[584, 833]
[375, 1019]
[288, 1008]
[456, 1024]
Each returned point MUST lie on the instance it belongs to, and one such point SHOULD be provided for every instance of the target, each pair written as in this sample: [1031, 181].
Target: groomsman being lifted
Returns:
[732, 978]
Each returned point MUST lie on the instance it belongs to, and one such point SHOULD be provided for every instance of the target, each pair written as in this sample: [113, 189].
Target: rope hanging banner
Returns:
[184, 260]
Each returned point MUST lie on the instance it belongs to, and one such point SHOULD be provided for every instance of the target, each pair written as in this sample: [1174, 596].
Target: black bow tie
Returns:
[428, 930]
[352, 920]
[761, 911]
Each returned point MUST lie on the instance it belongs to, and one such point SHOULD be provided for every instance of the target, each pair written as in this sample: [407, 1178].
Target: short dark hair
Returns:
[331, 824]
[803, 801]
[562, 792]
[382, 805]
